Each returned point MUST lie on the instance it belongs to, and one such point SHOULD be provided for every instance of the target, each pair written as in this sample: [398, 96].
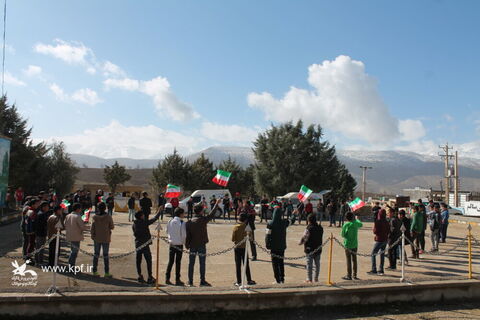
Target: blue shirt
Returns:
[445, 216]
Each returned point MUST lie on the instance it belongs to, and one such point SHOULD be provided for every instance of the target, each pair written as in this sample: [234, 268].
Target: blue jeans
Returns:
[131, 214]
[74, 247]
[110, 211]
[378, 246]
[310, 261]
[96, 251]
[191, 262]
[332, 219]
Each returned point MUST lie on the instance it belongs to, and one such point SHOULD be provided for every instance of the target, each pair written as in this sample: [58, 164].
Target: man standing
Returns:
[264, 208]
[52, 224]
[395, 234]
[344, 208]
[74, 227]
[375, 210]
[239, 233]
[131, 207]
[146, 205]
[196, 240]
[30, 219]
[308, 210]
[236, 204]
[110, 203]
[41, 230]
[434, 222]
[444, 216]
[381, 230]
[161, 200]
[226, 206]
[190, 208]
[350, 236]
[300, 211]
[19, 195]
[176, 231]
[416, 228]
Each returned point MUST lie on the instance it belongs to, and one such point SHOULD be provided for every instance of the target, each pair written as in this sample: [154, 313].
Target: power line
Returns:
[4, 43]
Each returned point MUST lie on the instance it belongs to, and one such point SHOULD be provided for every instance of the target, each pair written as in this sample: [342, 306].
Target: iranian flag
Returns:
[356, 204]
[304, 193]
[65, 204]
[86, 215]
[222, 177]
[172, 191]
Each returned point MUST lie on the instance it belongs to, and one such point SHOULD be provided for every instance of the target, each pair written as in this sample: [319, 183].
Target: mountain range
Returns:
[392, 171]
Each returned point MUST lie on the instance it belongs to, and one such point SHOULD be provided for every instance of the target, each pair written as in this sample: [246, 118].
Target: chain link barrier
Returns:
[380, 252]
[165, 239]
[437, 252]
[314, 252]
[33, 253]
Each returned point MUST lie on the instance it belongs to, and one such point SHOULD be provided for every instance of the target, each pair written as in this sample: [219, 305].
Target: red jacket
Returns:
[309, 208]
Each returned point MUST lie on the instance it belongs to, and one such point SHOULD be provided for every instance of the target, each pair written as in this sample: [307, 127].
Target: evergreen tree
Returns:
[288, 156]
[115, 175]
[62, 168]
[173, 169]
[201, 174]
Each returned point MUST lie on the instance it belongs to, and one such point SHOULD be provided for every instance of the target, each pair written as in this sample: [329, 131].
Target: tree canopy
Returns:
[115, 175]
[288, 156]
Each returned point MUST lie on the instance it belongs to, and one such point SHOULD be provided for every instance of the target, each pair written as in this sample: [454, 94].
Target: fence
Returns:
[469, 241]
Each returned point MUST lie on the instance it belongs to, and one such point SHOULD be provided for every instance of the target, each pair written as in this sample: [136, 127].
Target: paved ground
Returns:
[220, 269]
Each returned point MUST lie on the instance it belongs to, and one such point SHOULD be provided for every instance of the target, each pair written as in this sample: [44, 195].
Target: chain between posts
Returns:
[435, 252]
[33, 253]
[314, 252]
[165, 239]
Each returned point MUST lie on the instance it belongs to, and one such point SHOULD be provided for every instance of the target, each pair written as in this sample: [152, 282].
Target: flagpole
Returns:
[158, 253]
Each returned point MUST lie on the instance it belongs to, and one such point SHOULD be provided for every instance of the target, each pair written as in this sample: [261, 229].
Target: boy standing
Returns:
[239, 233]
[74, 227]
[350, 236]
[101, 233]
[312, 241]
[51, 231]
[177, 233]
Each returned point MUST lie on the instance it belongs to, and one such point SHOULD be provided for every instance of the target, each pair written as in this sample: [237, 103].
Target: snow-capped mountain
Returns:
[392, 170]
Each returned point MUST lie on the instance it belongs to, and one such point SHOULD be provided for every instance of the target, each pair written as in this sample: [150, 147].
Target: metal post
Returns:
[329, 280]
[470, 276]
[57, 249]
[456, 201]
[159, 227]
[364, 180]
[403, 229]
[244, 285]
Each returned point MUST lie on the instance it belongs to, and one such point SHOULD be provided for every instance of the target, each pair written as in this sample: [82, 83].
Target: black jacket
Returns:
[395, 232]
[41, 223]
[141, 230]
[314, 238]
[146, 205]
[131, 203]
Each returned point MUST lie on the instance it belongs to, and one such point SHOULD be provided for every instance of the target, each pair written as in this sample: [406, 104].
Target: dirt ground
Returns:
[220, 268]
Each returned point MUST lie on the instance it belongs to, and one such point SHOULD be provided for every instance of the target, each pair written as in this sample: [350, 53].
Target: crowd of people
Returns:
[45, 214]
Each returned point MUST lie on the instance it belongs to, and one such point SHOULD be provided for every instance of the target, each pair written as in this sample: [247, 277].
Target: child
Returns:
[238, 235]
[312, 239]
[177, 233]
[101, 233]
[142, 235]
[52, 222]
[350, 236]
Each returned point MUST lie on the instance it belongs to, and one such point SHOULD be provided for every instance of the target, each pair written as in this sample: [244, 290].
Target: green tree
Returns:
[173, 169]
[288, 156]
[115, 175]
[28, 160]
[201, 174]
[62, 169]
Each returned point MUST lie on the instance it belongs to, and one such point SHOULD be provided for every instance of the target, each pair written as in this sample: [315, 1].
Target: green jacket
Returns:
[417, 222]
[350, 233]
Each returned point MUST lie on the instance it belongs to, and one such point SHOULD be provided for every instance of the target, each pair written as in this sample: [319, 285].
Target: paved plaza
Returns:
[221, 268]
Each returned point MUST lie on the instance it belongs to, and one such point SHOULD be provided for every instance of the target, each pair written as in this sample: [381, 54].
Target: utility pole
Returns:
[364, 180]
[446, 157]
[455, 168]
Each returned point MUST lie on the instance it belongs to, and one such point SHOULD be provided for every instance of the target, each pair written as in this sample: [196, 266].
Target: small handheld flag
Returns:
[172, 191]
[356, 204]
[222, 177]
[86, 215]
[65, 204]
[304, 193]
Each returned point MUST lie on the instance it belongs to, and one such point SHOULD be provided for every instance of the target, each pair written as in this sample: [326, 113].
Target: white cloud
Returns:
[87, 96]
[112, 70]
[10, 79]
[448, 117]
[228, 133]
[117, 140]
[70, 52]
[165, 101]
[58, 92]
[344, 99]
[32, 71]
[411, 130]
[125, 84]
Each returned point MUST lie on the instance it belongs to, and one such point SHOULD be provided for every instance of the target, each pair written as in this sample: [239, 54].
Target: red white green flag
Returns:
[172, 191]
[356, 204]
[86, 215]
[65, 204]
[222, 177]
[304, 193]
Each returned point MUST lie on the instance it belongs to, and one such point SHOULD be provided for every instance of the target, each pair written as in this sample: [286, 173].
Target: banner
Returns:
[4, 168]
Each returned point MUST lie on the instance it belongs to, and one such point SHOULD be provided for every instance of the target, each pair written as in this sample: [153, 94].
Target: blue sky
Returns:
[137, 78]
